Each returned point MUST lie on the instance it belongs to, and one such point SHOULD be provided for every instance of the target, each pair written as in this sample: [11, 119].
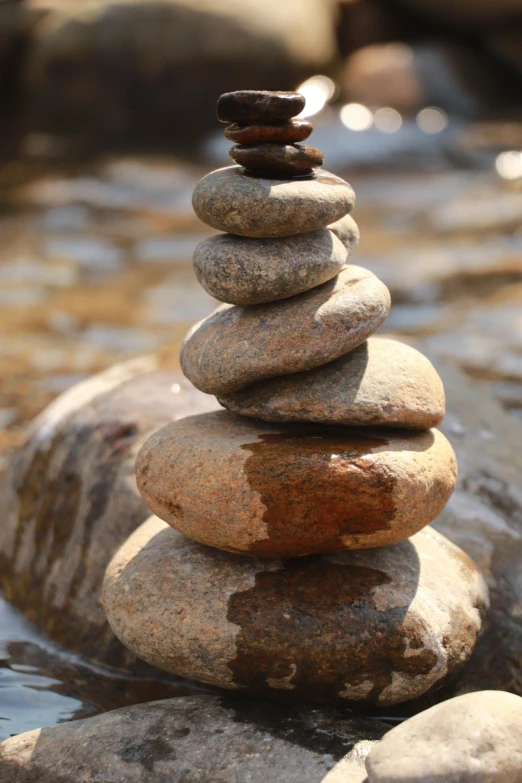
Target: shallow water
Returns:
[95, 266]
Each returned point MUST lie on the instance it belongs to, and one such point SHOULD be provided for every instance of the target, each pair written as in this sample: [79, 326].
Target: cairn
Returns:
[297, 559]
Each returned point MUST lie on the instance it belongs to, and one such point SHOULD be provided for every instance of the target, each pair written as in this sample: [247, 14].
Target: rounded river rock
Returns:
[237, 346]
[475, 738]
[287, 132]
[246, 106]
[347, 230]
[244, 271]
[232, 200]
[376, 626]
[381, 383]
[271, 490]
[279, 160]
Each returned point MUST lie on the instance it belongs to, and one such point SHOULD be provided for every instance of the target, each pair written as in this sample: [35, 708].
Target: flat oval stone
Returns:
[275, 490]
[231, 200]
[381, 383]
[347, 230]
[474, 737]
[237, 346]
[247, 106]
[377, 626]
[279, 160]
[287, 132]
[245, 271]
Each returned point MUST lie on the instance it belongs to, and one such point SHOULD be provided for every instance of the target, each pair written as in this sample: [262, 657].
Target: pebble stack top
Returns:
[300, 514]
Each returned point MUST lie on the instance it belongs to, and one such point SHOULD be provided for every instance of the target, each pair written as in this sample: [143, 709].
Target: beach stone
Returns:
[231, 200]
[299, 628]
[247, 106]
[273, 490]
[347, 230]
[381, 383]
[473, 738]
[278, 160]
[286, 132]
[199, 739]
[237, 346]
[244, 271]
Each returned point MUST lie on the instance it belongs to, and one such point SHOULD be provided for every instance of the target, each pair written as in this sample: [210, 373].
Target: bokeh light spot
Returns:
[432, 120]
[509, 164]
[317, 90]
[356, 117]
[387, 120]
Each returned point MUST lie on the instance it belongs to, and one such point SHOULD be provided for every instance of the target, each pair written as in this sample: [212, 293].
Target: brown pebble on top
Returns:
[247, 106]
[284, 160]
[286, 132]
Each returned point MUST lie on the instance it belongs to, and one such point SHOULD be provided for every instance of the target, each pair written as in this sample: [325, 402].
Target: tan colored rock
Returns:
[198, 739]
[347, 230]
[271, 490]
[234, 201]
[381, 383]
[376, 626]
[244, 271]
[237, 346]
[473, 738]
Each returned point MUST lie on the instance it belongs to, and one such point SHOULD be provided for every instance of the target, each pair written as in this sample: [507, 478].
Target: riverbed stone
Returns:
[286, 132]
[278, 160]
[271, 490]
[245, 271]
[383, 382]
[237, 346]
[298, 628]
[474, 738]
[198, 739]
[347, 230]
[259, 105]
[234, 201]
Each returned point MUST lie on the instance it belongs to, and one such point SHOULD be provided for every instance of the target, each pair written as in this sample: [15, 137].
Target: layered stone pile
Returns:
[297, 559]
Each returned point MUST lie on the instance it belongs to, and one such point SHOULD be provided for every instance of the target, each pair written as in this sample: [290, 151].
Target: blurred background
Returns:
[107, 121]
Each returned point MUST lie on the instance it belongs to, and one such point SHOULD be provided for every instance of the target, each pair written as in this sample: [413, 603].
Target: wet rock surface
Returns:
[283, 491]
[475, 737]
[237, 346]
[230, 200]
[381, 383]
[203, 739]
[204, 614]
[244, 271]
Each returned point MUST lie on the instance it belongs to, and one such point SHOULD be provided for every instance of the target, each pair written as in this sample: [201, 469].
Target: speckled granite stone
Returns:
[475, 738]
[198, 739]
[347, 230]
[237, 346]
[376, 626]
[381, 383]
[271, 490]
[247, 106]
[231, 200]
[243, 270]
[278, 160]
[287, 132]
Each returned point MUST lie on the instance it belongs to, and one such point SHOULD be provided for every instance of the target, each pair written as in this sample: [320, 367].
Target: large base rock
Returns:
[70, 500]
[194, 740]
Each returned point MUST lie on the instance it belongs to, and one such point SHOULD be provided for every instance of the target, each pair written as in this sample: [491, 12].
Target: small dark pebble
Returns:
[289, 160]
[246, 106]
[287, 132]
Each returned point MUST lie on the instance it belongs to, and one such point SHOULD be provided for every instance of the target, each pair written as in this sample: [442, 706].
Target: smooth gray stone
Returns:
[193, 740]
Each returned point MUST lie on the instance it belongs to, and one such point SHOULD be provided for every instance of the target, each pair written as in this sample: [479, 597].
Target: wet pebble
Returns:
[278, 160]
[287, 132]
[271, 490]
[298, 628]
[246, 106]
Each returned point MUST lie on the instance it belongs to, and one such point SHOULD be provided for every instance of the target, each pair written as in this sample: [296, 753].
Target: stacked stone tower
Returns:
[297, 560]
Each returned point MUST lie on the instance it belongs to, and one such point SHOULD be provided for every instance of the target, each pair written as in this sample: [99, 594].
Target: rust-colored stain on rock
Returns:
[289, 468]
[311, 630]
